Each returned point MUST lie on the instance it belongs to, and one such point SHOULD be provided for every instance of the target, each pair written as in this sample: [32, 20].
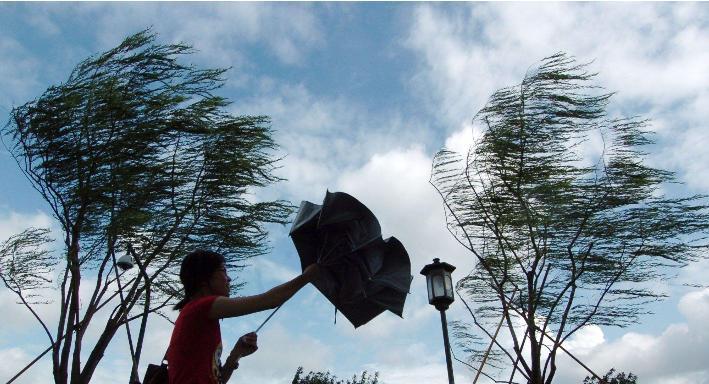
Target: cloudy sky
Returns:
[361, 97]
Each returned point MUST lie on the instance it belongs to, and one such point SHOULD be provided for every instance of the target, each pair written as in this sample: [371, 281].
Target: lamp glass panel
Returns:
[430, 288]
[438, 285]
[449, 286]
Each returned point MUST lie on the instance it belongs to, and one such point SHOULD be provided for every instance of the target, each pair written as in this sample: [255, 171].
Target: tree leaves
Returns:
[26, 264]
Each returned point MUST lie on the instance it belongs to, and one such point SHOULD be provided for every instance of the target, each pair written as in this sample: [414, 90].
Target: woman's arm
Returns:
[231, 364]
[230, 307]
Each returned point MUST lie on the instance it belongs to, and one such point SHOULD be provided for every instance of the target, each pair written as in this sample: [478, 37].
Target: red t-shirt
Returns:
[196, 345]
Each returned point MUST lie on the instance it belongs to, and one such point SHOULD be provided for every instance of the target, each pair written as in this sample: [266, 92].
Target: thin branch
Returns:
[493, 339]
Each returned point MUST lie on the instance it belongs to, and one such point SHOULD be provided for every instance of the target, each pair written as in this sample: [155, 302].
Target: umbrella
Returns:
[361, 274]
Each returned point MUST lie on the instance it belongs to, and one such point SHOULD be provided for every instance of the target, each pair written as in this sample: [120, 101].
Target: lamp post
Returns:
[125, 263]
[440, 295]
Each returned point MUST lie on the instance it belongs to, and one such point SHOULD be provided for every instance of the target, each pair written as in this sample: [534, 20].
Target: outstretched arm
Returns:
[231, 307]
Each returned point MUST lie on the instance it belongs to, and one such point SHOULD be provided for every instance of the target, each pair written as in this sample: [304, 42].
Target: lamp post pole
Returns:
[440, 295]
[446, 344]
[125, 263]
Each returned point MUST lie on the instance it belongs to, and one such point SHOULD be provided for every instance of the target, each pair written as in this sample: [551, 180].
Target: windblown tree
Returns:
[136, 155]
[563, 239]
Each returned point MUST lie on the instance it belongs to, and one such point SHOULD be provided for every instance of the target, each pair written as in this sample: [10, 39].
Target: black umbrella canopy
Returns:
[361, 274]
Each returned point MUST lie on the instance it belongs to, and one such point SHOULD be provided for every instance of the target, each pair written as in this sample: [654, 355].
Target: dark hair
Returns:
[197, 268]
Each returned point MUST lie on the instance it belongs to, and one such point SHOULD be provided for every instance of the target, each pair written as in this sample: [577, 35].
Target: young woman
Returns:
[196, 346]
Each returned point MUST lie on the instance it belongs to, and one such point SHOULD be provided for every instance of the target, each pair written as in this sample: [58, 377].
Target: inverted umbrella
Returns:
[360, 273]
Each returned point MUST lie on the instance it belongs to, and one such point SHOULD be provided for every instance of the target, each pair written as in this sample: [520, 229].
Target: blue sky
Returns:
[361, 96]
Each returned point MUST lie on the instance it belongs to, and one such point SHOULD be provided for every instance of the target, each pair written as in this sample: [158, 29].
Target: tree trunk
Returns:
[97, 353]
[141, 335]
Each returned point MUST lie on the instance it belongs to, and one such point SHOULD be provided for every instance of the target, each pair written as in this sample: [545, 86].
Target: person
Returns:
[195, 348]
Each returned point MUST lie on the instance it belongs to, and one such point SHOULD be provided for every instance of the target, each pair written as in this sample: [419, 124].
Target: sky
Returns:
[361, 97]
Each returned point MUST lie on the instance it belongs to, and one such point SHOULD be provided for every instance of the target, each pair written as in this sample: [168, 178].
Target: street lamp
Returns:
[440, 295]
[125, 262]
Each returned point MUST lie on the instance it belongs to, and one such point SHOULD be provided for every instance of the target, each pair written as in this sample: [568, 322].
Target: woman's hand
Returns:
[246, 344]
[312, 272]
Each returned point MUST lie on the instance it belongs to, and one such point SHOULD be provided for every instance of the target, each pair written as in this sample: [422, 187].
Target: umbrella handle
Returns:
[268, 318]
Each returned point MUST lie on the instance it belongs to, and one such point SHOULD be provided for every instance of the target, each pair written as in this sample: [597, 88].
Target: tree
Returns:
[562, 239]
[608, 378]
[135, 154]
[328, 378]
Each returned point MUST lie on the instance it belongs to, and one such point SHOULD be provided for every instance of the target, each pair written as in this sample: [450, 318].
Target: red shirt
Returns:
[196, 345]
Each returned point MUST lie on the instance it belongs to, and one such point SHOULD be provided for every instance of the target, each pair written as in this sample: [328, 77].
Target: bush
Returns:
[620, 378]
[328, 378]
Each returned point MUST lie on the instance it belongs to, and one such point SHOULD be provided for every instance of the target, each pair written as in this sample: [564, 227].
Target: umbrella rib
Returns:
[268, 318]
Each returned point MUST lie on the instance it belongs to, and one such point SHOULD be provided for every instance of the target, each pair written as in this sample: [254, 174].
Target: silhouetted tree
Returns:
[610, 378]
[135, 155]
[562, 239]
[328, 378]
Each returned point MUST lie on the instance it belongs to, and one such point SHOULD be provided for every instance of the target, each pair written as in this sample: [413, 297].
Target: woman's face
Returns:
[219, 282]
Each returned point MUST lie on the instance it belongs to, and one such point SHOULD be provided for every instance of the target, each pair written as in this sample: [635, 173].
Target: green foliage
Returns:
[566, 233]
[134, 152]
[609, 378]
[134, 146]
[26, 264]
[328, 378]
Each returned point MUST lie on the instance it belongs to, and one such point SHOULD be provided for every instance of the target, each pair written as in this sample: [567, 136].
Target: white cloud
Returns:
[18, 73]
[324, 138]
[41, 19]
[652, 52]
[429, 373]
[220, 32]
[224, 35]
[653, 55]
[18, 321]
[15, 358]
[270, 271]
[12, 222]
[280, 354]
[585, 339]
[310, 131]
[695, 308]
[464, 139]
[394, 185]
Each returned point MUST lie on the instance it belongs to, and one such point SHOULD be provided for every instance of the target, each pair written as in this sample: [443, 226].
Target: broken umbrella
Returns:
[362, 275]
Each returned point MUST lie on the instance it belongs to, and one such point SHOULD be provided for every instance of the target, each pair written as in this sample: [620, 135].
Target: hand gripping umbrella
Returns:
[360, 273]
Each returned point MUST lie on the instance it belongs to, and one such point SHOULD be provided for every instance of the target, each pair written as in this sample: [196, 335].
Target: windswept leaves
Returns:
[27, 262]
